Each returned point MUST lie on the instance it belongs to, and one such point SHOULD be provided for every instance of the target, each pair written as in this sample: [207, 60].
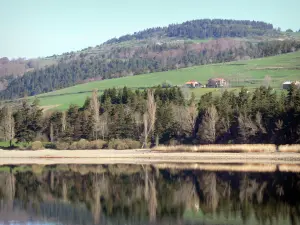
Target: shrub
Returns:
[83, 144]
[132, 144]
[36, 145]
[122, 144]
[73, 146]
[98, 144]
[50, 145]
[41, 138]
[117, 144]
[62, 145]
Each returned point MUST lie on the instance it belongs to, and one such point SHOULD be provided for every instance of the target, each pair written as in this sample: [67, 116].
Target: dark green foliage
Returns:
[259, 117]
[71, 72]
[203, 29]
[28, 122]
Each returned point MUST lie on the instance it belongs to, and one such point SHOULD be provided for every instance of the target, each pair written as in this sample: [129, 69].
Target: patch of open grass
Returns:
[218, 148]
[280, 68]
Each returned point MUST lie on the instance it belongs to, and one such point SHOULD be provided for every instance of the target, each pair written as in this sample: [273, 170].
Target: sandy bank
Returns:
[140, 157]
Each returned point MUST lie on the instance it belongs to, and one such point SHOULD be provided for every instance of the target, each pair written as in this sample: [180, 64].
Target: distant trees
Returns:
[289, 31]
[140, 60]
[202, 29]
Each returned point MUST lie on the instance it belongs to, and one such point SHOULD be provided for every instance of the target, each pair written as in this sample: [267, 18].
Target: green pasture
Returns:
[248, 73]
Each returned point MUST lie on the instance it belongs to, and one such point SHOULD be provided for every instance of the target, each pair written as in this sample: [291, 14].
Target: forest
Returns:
[203, 29]
[124, 61]
[123, 118]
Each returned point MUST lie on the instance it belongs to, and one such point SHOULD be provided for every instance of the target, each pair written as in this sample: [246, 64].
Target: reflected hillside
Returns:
[144, 194]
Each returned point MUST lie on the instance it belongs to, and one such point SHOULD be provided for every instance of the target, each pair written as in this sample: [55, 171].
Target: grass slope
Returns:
[279, 68]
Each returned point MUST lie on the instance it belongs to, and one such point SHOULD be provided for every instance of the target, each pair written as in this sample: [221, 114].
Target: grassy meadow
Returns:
[248, 73]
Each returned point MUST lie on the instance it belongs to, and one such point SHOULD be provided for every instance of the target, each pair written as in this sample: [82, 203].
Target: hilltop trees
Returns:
[140, 60]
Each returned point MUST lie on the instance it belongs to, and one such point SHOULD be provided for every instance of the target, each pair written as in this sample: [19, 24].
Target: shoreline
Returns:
[47, 157]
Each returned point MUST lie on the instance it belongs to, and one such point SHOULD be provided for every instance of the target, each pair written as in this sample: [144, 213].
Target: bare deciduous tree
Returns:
[247, 128]
[51, 133]
[63, 121]
[186, 117]
[7, 124]
[103, 125]
[149, 116]
[259, 123]
[94, 108]
[207, 128]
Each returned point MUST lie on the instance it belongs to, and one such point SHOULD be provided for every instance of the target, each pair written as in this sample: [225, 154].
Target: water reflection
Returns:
[136, 194]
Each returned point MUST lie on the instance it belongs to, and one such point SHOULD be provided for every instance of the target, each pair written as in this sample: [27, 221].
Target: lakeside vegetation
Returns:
[127, 119]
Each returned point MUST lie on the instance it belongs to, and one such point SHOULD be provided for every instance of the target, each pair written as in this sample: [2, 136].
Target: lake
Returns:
[147, 194]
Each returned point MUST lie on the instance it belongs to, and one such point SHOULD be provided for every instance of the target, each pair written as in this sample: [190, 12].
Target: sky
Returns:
[38, 28]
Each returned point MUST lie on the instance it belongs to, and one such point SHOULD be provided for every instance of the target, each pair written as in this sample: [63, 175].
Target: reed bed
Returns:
[218, 148]
[289, 168]
[220, 167]
[289, 148]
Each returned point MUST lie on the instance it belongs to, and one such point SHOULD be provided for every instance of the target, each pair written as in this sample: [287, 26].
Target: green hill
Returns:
[249, 73]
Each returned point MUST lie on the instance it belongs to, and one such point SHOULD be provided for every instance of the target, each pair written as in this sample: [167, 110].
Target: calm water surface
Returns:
[136, 194]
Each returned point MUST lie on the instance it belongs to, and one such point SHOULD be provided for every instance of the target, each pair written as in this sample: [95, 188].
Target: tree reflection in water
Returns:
[144, 194]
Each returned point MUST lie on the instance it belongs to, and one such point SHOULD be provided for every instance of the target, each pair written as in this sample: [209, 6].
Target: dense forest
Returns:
[143, 194]
[125, 61]
[132, 119]
[203, 29]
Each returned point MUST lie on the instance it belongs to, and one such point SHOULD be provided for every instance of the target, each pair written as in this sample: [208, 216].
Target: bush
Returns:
[98, 144]
[120, 144]
[62, 146]
[50, 145]
[41, 138]
[36, 145]
[117, 144]
[83, 144]
[132, 144]
[73, 146]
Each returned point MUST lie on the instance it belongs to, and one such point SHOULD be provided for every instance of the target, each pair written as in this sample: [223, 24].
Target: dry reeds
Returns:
[289, 148]
[219, 148]
[289, 168]
[220, 167]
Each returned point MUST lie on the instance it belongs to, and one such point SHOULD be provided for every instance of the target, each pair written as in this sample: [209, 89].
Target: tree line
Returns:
[162, 116]
[152, 58]
[203, 29]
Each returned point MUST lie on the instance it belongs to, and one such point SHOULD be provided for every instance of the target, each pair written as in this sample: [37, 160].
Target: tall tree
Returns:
[207, 129]
[28, 121]
[149, 116]
[7, 124]
[94, 108]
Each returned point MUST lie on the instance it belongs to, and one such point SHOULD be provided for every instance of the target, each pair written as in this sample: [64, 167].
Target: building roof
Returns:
[287, 82]
[217, 79]
[192, 82]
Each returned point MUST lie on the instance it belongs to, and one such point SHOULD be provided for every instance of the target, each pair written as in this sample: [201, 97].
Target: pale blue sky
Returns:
[31, 28]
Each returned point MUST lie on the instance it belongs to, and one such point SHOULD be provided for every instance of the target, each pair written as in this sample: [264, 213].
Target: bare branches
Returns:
[207, 128]
[149, 116]
[7, 123]
[94, 108]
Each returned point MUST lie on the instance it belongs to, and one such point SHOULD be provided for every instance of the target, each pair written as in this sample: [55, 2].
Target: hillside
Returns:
[249, 73]
[183, 45]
